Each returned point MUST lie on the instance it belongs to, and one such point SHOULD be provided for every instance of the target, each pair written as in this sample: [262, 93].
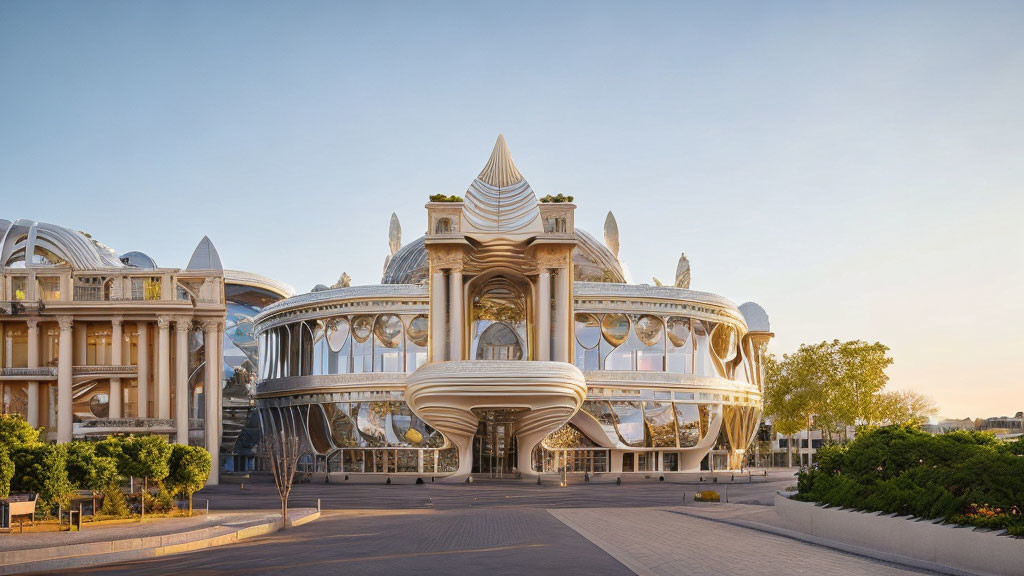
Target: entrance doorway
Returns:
[494, 446]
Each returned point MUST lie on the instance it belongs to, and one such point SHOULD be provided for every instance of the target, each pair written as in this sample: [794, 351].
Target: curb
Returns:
[128, 549]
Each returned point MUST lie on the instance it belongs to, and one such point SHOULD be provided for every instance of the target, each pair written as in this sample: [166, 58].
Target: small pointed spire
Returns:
[500, 171]
[611, 234]
[394, 234]
[205, 257]
[683, 272]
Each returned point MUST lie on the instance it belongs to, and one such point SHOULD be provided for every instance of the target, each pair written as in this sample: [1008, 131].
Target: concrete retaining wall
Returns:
[921, 543]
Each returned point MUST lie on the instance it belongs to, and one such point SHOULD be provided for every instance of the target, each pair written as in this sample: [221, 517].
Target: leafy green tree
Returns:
[88, 470]
[189, 470]
[903, 407]
[832, 384]
[42, 468]
[15, 431]
[6, 472]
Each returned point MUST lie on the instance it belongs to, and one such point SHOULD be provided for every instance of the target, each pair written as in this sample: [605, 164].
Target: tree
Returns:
[189, 470]
[832, 383]
[903, 407]
[42, 468]
[6, 473]
[86, 469]
[15, 431]
[281, 449]
[140, 456]
[786, 398]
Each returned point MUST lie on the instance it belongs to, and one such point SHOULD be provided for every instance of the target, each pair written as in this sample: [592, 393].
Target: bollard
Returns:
[317, 505]
[207, 507]
[618, 481]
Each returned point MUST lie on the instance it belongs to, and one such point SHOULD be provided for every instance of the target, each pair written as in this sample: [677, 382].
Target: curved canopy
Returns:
[40, 244]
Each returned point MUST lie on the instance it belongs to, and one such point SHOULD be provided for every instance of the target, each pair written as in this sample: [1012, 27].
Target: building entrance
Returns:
[494, 446]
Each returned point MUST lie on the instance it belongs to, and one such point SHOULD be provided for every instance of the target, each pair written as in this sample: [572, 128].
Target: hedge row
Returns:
[57, 471]
[967, 478]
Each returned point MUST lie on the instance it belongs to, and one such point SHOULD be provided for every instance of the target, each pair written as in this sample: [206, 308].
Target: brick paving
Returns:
[497, 528]
[654, 542]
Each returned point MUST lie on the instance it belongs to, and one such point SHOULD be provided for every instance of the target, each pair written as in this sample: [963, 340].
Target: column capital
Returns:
[65, 322]
[183, 323]
[163, 321]
[117, 321]
[33, 323]
[211, 324]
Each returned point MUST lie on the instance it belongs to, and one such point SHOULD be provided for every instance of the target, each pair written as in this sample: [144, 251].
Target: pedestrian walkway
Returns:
[661, 541]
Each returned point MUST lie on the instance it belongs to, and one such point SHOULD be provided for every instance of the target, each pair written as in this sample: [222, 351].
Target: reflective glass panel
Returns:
[660, 424]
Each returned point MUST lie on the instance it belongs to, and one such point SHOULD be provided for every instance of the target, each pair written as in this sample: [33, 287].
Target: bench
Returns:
[19, 506]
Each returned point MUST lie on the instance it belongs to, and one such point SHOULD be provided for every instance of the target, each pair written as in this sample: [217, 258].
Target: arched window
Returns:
[443, 226]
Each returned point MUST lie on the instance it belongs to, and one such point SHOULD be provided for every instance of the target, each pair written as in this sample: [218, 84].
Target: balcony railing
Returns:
[103, 370]
[28, 372]
[89, 294]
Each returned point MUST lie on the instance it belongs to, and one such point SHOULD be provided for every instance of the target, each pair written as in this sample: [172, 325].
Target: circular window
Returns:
[337, 334]
[615, 328]
[648, 329]
[418, 330]
[388, 330]
[99, 405]
[678, 331]
[588, 330]
[723, 341]
[361, 328]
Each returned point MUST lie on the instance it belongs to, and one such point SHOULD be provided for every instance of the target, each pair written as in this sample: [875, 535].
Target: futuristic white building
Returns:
[507, 342]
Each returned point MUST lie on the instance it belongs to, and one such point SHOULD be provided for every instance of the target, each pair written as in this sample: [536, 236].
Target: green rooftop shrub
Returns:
[445, 198]
[557, 199]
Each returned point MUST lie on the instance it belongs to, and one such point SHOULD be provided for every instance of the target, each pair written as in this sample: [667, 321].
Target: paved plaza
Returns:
[493, 528]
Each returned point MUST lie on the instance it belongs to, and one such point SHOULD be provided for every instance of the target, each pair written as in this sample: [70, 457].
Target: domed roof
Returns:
[39, 243]
[500, 199]
[755, 317]
[592, 262]
[138, 260]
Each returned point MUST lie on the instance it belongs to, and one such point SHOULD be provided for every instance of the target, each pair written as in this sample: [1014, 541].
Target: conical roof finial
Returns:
[394, 234]
[611, 234]
[500, 171]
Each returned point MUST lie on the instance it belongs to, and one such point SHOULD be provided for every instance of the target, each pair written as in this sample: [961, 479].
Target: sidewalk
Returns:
[40, 552]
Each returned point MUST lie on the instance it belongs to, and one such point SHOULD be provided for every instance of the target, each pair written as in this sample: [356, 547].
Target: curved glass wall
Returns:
[651, 343]
[651, 424]
[377, 435]
[345, 345]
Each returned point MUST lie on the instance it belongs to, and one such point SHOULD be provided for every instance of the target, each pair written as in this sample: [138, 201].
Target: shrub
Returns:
[557, 199]
[445, 198]
[6, 472]
[15, 431]
[961, 477]
[114, 502]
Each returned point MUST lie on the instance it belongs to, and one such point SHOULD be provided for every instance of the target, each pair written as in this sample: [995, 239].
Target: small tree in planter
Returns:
[280, 448]
[88, 470]
[189, 470]
[144, 457]
[42, 468]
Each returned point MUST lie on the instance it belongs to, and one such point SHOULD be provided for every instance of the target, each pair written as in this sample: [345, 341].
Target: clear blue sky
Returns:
[856, 168]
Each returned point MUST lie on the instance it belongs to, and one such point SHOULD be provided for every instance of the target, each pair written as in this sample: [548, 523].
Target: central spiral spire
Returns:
[500, 199]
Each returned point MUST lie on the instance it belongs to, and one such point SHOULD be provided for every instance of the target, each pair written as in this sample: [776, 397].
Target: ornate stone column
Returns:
[455, 311]
[438, 298]
[211, 392]
[544, 315]
[163, 363]
[116, 395]
[142, 391]
[65, 358]
[33, 362]
[181, 328]
[562, 316]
